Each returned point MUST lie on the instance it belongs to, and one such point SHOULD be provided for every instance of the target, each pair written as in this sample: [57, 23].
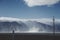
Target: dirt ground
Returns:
[20, 36]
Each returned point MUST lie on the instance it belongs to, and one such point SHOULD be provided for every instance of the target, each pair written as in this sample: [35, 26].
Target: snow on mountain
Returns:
[7, 24]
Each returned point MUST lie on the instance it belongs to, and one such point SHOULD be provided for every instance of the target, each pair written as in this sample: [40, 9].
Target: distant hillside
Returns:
[28, 25]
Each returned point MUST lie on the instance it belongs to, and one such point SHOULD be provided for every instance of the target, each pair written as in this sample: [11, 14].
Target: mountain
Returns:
[7, 24]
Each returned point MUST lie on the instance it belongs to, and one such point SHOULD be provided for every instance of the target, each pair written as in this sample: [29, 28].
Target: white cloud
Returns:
[32, 3]
[42, 20]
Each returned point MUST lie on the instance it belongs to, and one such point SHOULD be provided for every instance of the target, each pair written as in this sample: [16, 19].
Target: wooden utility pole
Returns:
[13, 32]
[53, 25]
[13, 35]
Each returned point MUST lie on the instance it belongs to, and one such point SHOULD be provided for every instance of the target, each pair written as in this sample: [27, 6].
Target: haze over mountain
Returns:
[42, 25]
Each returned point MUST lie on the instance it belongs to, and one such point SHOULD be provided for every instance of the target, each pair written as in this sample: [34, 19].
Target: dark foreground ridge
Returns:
[29, 36]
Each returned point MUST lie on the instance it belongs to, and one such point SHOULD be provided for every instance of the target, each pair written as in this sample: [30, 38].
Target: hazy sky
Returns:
[30, 8]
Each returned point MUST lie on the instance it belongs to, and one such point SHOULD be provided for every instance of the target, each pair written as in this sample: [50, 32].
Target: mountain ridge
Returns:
[27, 25]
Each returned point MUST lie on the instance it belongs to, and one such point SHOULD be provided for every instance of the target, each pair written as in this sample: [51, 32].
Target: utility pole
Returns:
[13, 32]
[53, 26]
[13, 35]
